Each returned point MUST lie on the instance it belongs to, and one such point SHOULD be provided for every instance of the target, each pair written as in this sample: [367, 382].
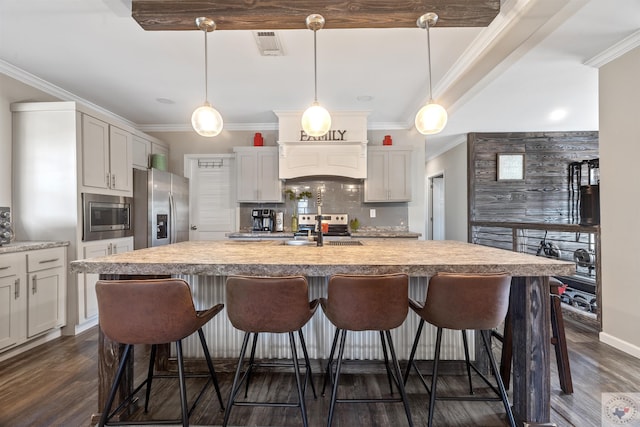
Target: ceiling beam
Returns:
[290, 14]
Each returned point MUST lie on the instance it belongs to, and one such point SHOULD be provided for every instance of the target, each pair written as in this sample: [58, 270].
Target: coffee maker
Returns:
[263, 219]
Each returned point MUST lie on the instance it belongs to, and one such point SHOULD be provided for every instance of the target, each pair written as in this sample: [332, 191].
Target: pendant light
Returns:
[431, 118]
[206, 120]
[316, 120]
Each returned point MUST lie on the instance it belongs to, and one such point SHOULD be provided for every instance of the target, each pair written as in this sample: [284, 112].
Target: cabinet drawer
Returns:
[12, 264]
[44, 259]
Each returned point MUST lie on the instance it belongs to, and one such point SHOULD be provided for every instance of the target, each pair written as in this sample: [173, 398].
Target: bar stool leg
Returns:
[234, 387]
[560, 343]
[434, 378]
[413, 351]
[507, 350]
[114, 387]
[386, 361]
[251, 359]
[212, 371]
[398, 375]
[152, 360]
[308, 374]
[183, 387]
[334, 392]
[328, 372]
[503, 391]
[466, 359]
[296, 367]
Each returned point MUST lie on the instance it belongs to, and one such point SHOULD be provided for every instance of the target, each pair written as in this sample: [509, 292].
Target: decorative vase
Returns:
[387, 140]
[258, 140]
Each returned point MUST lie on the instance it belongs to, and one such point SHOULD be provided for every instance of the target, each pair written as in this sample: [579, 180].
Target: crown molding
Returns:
[616, 51]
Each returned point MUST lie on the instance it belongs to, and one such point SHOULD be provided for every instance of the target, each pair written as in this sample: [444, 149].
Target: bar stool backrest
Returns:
[367, 302]
[268, 304]
[154, 311]
[467, 301]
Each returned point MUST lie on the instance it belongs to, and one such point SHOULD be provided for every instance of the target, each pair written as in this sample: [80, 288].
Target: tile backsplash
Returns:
[338, 195]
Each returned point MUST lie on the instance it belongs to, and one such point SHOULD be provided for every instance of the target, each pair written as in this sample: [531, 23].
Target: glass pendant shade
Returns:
[431, 119]
[316, 120]
[207, 121]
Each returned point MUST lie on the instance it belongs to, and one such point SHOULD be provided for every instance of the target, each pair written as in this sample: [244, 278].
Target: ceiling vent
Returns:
[268, 43]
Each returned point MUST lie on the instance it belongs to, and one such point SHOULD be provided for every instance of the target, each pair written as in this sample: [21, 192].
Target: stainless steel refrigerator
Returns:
[160, 208]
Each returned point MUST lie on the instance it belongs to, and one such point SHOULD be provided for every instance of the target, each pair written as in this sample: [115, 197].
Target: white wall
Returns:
[620, 201]
[12, 91]
[453, 166]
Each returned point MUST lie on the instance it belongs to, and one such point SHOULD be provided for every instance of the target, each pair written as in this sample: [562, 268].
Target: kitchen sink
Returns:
[326, 243]
[299, 243]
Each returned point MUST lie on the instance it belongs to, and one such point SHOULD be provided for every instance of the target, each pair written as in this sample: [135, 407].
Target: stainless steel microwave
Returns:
[106, 217]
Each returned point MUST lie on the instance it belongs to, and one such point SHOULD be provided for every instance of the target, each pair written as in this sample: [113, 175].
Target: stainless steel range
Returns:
[337, 225]
[6, 232]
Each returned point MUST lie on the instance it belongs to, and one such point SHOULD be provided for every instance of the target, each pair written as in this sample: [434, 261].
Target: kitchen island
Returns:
[417, 258]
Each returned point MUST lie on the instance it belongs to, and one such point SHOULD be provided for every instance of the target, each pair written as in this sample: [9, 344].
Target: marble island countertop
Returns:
[273, 257]
[29, 246]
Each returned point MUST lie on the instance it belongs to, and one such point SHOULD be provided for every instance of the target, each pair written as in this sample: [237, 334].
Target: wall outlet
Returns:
[372, 213]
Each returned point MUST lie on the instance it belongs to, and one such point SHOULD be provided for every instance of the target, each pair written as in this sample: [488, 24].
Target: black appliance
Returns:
[336, 225]
[263, 219]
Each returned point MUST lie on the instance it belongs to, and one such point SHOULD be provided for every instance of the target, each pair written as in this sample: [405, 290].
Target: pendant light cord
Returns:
[315, 67]
[429, 61]
[206, 62]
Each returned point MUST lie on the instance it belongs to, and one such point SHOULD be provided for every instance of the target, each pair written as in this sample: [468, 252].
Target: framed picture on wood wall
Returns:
[510, 166]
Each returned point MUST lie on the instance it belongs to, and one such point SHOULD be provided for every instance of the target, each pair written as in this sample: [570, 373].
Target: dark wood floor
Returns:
[56, 385]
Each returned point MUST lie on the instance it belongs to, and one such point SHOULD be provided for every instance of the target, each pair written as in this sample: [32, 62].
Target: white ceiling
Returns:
[509, 76]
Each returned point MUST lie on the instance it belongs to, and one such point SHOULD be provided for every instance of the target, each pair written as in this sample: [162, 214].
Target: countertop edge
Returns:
[30, 246]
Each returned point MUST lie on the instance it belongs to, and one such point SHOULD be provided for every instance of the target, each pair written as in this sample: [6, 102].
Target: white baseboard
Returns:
[621, 345]
[53, 334]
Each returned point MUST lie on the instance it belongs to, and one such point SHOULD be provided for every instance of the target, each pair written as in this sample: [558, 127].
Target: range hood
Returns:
[341, 152]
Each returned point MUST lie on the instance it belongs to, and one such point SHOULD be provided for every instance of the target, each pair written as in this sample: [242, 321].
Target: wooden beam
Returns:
[290, 14]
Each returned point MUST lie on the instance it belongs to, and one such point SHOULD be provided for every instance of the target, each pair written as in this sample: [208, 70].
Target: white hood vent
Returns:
[342, 152]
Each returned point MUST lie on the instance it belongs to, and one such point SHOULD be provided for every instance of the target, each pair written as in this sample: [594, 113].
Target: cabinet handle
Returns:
[34, 284]
[45, 261]
[113, 181]
[110, 249]
[108, 179]
[4, 268]
[16, 293]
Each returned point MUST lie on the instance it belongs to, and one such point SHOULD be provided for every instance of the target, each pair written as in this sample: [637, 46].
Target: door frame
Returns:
[430, 203]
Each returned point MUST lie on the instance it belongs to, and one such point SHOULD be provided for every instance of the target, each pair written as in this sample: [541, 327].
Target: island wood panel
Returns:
[291, 14]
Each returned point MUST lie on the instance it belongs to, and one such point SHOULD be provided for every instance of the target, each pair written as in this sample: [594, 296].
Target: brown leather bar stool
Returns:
[152, 312]
[366, 303]
[463, 302]
[274, 305]
[558, 339]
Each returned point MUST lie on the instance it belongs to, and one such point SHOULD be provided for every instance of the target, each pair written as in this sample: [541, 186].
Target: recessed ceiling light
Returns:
[558, 114]
[165, 101]
[364, 98]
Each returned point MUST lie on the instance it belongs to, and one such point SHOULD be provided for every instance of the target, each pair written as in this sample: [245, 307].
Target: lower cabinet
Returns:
[88, 303]
[33, 294]
[13, 299]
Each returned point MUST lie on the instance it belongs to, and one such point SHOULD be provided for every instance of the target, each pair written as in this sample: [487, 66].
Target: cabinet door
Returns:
[46, 300]
[269, 184]
[95, 153]
[88, 301]
[399, 176]
[140, 151]
[13, 310]
[247, 176]
[375, 186]
[120, 160]
[122, 245]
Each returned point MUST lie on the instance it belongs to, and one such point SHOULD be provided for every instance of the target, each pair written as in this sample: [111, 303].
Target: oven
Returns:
[106, 217]
[334, 225]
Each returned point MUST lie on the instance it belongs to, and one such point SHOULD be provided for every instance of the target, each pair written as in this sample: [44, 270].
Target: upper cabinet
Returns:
[388, 174]
[257, 174]
[106, 156]
[141, 150]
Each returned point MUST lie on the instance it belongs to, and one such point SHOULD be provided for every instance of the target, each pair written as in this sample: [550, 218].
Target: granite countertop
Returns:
[272, 257]
[29, 246]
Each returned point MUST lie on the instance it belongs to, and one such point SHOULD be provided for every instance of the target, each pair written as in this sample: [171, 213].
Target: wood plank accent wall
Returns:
[543, 196]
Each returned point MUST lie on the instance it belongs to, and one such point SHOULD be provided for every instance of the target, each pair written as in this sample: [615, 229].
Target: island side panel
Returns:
[531, 349]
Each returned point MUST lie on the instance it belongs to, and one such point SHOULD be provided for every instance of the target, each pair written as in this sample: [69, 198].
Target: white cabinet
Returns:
[13, 299]
[88, 304]
[140, 152]
[46, 289]
[257, 174]
[106, 156]
[388, 175]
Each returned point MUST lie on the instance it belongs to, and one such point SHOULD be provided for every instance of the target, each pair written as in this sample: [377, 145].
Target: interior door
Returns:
[437, 230]
[212, 204]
